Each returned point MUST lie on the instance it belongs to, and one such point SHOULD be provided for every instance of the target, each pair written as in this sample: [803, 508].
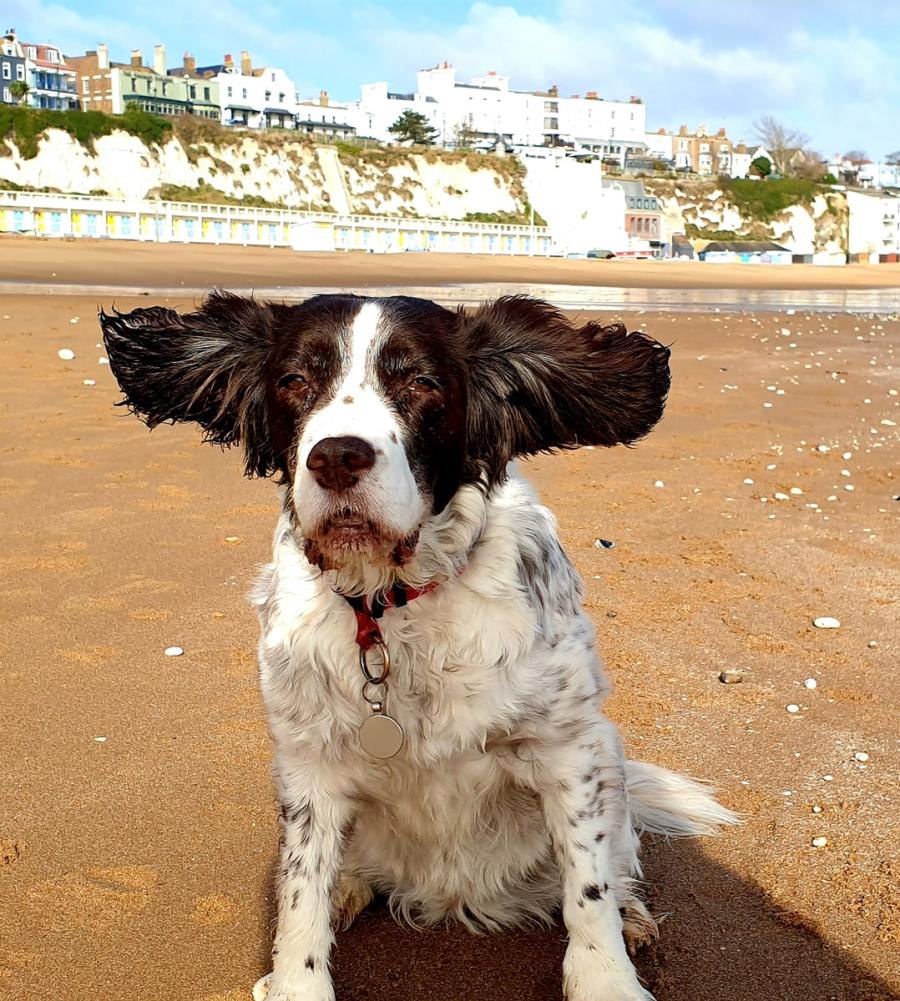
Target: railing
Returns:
[103, 217]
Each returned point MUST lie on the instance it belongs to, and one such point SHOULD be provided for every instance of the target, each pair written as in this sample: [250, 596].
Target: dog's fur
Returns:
[511, 796]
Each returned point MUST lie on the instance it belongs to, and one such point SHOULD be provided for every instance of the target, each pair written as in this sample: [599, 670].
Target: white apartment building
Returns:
[488, 109]
[874, 226]
[257, 98]
[326, 117]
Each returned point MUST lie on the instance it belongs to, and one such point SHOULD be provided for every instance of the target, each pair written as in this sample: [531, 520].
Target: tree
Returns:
[782, 142]
[413, 127]
[465, 136]
[856, 156]
[761, 166]
[19, 90]
[893, 157]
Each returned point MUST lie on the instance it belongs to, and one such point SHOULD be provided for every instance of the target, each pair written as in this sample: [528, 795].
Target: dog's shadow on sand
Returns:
[723, 940]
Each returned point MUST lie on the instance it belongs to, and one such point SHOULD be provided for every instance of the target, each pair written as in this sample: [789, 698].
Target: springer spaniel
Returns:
[432, 683]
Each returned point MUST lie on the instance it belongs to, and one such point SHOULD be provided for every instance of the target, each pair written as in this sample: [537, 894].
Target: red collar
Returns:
[368, 632]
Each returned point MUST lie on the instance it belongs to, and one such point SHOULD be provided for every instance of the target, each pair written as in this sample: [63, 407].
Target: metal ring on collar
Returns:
[376, 679]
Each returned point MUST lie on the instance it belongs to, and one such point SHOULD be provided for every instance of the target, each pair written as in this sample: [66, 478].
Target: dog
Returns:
[432, 684]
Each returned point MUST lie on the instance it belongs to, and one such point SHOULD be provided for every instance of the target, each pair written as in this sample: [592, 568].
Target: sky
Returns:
[830, 69]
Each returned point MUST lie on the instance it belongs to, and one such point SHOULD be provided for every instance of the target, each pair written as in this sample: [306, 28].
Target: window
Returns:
[193, 90]
[229, 92]
[244, 93]
[6, 95]
[268, 95]
[206, 93]
[7, 71]
[704, 147]
[20, 71]
[85, 85]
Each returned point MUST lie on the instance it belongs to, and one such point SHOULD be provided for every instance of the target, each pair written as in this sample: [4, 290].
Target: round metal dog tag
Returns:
[381, 736]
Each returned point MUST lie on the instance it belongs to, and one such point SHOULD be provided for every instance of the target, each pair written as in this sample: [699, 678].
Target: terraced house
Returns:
[111, 86]
[51, 80]
[12, 69]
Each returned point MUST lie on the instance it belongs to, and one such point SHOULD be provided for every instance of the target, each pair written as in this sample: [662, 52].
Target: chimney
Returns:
[159, 59]
[228, 61]
[190, 64]
[323, 98]
[721, 133]
[136, 58]
[246, 65]
[683, 130]
[103, 56]
[553, 91]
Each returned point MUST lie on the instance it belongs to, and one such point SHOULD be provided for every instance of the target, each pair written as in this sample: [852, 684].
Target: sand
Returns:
[139, 867]
[23, 259]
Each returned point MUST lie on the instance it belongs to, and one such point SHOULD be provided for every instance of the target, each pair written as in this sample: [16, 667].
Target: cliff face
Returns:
[273, 169]
[817, 223]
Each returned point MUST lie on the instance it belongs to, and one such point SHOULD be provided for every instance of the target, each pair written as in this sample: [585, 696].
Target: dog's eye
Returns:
[424, 382]
[294, 381]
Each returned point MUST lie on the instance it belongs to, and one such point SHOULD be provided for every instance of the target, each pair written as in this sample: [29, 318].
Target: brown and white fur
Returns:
[393, 424]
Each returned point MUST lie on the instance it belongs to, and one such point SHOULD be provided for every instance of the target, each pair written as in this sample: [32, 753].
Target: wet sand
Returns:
[139, 867]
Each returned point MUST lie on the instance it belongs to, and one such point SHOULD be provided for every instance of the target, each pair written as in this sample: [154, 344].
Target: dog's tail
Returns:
[663, 802]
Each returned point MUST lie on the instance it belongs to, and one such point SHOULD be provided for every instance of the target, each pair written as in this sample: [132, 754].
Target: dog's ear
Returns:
[205, 367]
[539, 382]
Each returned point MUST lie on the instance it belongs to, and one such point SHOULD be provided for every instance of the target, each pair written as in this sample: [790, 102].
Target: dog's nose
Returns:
[338, 463]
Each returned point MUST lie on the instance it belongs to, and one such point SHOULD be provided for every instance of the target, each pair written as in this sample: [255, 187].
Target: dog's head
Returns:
[375, 411]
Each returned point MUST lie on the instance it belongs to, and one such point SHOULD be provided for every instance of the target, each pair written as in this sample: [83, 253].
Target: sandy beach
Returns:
[137, 824]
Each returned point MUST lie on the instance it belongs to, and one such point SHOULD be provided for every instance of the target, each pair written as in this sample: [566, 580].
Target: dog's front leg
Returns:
[583, 794]
[314, 815]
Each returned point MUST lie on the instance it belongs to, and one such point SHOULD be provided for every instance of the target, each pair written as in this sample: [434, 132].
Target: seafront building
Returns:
[12, 67]
[112, 86]
[486, 110]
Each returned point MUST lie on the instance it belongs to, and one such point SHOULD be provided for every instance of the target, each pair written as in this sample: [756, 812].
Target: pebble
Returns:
[872, 644]
[826, 622]
[67, 354]
[659, 483]
[817, 808]
[846, 455]
[793, 708]
[823, 448]
[819, 842]
[100, 740]
[731, 677]
[796, 491]
[237, 538]
[102, 361]
[598, 543]
[73, 319]
[810, 683]
[89, 382]
[173, 651]
[828, 778]
[861, 756]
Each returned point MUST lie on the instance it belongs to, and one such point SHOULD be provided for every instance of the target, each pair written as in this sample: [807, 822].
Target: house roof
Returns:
[43, 53]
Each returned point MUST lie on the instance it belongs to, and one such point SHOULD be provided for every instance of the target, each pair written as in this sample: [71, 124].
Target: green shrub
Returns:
[764, 200]
[25, 126]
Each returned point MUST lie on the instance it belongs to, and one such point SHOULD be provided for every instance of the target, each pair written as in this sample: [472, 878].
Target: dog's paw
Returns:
[588, 975]
[638, 926]
[270, 989]
[351, 896]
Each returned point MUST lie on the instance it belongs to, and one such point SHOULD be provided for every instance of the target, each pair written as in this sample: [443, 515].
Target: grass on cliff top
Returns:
[26, 125]
[764, 200]
[204, 194]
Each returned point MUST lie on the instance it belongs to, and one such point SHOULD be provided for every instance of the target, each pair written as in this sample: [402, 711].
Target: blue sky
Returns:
[831, 69]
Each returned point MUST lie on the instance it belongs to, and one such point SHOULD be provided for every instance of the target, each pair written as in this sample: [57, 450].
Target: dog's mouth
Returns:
[347, 533]
[348, 529]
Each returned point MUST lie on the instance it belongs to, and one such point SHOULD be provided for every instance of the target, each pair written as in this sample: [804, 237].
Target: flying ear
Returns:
[205, 367]
[538, 382]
